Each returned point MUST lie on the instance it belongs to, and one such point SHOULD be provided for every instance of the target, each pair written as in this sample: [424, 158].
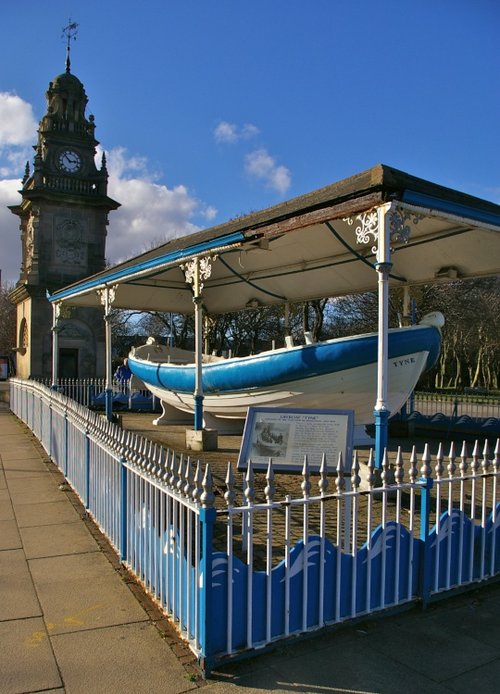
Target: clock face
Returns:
[69, 161]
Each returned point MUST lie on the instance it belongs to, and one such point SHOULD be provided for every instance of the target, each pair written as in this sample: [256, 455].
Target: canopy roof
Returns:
[317, 245]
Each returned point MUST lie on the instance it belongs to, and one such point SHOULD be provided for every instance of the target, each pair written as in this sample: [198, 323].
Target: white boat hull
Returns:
[336, 374]
[352, 389]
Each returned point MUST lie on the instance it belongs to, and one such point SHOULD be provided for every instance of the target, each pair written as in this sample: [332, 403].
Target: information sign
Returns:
[287, 435]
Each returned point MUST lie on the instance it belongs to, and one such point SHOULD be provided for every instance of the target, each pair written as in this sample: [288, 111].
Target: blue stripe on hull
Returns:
[282, 366]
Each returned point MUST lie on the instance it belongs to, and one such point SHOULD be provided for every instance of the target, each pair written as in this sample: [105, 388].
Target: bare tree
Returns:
[7, 322]
[470, 354]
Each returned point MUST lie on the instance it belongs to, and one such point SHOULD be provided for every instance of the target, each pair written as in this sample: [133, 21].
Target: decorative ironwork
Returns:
[368, 226]
[107, 297]
[198, 270]
[399, 220]
[399, 223]
[56, 308]
[70, 31]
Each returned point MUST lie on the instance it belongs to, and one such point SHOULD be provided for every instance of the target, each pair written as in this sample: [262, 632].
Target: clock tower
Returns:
[63, 221]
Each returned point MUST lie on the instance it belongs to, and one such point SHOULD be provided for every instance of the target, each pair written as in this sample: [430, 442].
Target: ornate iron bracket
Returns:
[400, 222]
[197, 271]
[107, 297]
[56, 312]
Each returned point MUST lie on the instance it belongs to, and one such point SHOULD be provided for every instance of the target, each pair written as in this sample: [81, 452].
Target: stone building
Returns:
[63, 220]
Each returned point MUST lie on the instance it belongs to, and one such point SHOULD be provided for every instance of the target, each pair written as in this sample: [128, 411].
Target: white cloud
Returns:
[249, 130]
[10, 236]
[209, 213]
[17, 122]
[226, 132]
[230, 133]
[261, 165]
[151, 212]
[17, 134]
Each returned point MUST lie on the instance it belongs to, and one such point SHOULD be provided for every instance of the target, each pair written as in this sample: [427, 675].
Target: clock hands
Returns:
[70, 160]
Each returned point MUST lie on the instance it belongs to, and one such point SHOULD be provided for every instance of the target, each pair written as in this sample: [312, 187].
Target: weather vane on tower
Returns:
[70, 31]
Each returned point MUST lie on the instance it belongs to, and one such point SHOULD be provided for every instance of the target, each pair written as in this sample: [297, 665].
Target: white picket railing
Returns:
[131, 488]
[91, 393]
[243, 569]
[470, 405]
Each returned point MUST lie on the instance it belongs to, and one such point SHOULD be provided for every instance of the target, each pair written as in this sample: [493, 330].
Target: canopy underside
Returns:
[293, 253]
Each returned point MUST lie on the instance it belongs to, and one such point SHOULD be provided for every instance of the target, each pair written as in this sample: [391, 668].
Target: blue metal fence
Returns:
[238, 572]
[91, 392]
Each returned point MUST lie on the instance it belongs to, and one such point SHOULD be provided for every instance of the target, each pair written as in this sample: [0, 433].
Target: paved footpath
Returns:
[72, 620]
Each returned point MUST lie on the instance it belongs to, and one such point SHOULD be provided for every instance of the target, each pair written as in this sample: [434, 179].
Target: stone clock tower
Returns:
[64, 216]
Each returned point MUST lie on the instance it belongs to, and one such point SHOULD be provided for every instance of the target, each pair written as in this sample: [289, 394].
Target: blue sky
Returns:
[210, 110]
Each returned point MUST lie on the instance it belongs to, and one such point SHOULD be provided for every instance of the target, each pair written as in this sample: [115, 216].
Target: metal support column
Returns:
[198, 347]
[383, 267]
[406, 305]
[196, 271]
[56, 310]
[107, 297]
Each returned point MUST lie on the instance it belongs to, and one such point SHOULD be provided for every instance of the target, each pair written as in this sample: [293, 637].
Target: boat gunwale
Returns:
[279, 351]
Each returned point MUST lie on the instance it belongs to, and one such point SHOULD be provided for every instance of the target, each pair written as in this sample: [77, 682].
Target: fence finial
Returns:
[370, 470]
[166, 466]
[485, 464]
[249, 483]
[451, 458]
[144, 455]
[355, 478]
[306, 484]
[207, 498]
[323, 482]
[173, 472]
[399, 472]
[385, 475]
[426, 469]
[230, 494]
[496, 459]
[463, 459]
[148, 453]
[439, 467]
[474, 463]
[123, 444]
[197, 488]
[270, 488]
[180, 475]
[152, 459]
[188, 477]
[159, 453]
[340, 482]
[138, 450]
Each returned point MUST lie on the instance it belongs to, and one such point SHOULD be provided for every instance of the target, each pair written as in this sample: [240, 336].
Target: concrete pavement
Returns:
[72, 620]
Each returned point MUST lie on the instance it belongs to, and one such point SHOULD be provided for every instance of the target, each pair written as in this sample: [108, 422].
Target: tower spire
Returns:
[69, 31]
